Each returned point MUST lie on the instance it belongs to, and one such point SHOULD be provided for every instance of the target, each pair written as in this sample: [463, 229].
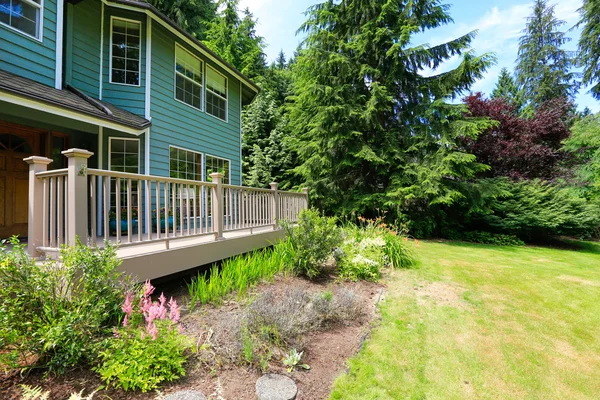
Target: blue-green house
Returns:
[117, 78]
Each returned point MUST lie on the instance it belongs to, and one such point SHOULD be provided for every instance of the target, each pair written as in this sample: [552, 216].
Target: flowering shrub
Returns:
[148, 348]
[370, 246]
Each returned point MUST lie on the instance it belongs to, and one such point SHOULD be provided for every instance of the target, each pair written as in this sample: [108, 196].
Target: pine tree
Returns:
[543, 66]
[194, 16]
[589, 45]
[371, 131]
[506, 88]
[280, 62]
[235, 39]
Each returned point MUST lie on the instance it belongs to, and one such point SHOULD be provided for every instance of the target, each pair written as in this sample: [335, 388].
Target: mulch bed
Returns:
[325, 351]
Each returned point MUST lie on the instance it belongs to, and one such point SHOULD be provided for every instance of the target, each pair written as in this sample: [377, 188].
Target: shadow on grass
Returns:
[555, 243]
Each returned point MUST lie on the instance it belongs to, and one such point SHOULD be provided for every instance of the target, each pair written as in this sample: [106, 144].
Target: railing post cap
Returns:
[274, 185]
[305, 190]
[216, 175]
[77, 153]
[38, 160]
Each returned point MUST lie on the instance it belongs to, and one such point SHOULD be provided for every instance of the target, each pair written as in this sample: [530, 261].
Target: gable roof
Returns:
[250, 88]
[70, 99]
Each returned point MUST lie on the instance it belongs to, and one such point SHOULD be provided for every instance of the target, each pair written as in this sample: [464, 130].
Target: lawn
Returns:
[477, 321]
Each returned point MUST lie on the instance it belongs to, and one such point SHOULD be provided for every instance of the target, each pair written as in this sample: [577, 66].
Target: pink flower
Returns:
[148, 289]
[115, 332]
[152, 330]
[174, 314]
[127, 306]
[125, 321]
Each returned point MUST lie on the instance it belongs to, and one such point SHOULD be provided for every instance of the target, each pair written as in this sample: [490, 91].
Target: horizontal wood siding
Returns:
[177, 124]
[83, 52]
[130, 98]
[28, 57]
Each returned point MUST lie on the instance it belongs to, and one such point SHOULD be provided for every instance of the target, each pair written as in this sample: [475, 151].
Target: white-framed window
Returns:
[125, 51]
[188, 78]
[123, 156]
[24, 16]
[216, 93]
[216, 164]
[185, 164]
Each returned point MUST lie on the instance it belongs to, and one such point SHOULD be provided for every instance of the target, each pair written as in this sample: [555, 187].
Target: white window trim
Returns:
[191, 151]
[40, 25]
[218, 95]
[110, 55]
[202, 87]
[111, 138]
[219, 158]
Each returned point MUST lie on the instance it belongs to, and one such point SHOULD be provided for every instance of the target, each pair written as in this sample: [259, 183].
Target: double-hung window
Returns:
[23, 15]
[216, 94]
[216, 164]
[124, 156]
[185, 164]
[125, 51]
[188, 78]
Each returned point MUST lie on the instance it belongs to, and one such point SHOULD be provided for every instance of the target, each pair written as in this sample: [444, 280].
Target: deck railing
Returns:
[134, 209]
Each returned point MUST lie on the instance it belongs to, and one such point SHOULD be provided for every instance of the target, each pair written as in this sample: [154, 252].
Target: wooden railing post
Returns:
[305, 191]
[275, 204]
[217, 205]
[77, 201]
[35, 214]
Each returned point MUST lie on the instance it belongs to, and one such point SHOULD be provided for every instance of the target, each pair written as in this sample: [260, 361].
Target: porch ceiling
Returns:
[69, 100]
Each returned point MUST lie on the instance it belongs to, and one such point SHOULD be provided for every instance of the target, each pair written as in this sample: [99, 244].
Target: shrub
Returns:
[311, 242]
[148, 349]
[54, 313]
[498, 239]
[237, 274]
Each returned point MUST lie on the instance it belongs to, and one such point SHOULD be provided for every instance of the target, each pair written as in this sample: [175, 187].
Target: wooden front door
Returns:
[16, 143]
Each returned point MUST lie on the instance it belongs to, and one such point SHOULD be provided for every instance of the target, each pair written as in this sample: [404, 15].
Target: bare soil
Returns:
[325, 351]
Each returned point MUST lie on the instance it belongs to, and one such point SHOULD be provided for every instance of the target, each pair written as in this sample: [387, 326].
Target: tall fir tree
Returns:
[370, 129]
[506, 88]
[589, 45]
[543, 67]
[235, 39]
[192, 15]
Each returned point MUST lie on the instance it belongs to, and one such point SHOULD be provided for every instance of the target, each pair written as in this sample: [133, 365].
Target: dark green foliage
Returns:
[537, 210]
[312, 242]
[57, 311]
[370, 131]
[192, 15]
[235, 39]
[584, 144]
[589, 45]
[506, 88]
[543, 66]
[498, 239]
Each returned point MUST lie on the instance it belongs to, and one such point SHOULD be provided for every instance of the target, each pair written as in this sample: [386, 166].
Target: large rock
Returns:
[275, 387]
[186, 395]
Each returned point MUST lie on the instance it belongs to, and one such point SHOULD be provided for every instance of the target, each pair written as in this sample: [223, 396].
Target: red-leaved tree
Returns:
[520, 147]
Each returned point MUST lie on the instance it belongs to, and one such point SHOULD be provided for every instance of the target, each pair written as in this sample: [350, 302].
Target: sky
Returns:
[499, 24]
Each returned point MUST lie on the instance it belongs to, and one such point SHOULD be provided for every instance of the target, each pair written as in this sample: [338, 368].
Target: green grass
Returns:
[485, 322]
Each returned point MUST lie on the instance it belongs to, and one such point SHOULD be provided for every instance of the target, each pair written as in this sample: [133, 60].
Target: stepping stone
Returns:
[275, 387]
[186, 395]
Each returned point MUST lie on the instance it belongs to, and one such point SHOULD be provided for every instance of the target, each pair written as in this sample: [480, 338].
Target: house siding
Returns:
[82, 66]
[175, 123]
[130, 98]
[28, 57]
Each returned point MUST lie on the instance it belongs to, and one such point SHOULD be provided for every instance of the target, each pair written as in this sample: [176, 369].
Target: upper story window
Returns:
[216, 94]
[188, 78]
[22, 15]
[185, 164]
[125, 51]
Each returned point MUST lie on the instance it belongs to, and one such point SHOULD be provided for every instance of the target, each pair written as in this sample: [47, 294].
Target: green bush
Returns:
[149, 349]
[311, 242]
[498, 239]
[56, 312]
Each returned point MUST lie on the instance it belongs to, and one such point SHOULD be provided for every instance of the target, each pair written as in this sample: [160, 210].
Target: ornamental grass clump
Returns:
[148, 349]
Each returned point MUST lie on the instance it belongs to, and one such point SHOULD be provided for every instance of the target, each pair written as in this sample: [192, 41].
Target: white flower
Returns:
[360, 259]
[372, 242]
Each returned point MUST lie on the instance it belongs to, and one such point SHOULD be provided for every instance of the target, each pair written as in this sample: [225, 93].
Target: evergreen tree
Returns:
[584, 143]
[194, 16]
[280, 62]
[235, 39]
[371, 131]
[589, 45]
[543, 67]
[506, 88]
